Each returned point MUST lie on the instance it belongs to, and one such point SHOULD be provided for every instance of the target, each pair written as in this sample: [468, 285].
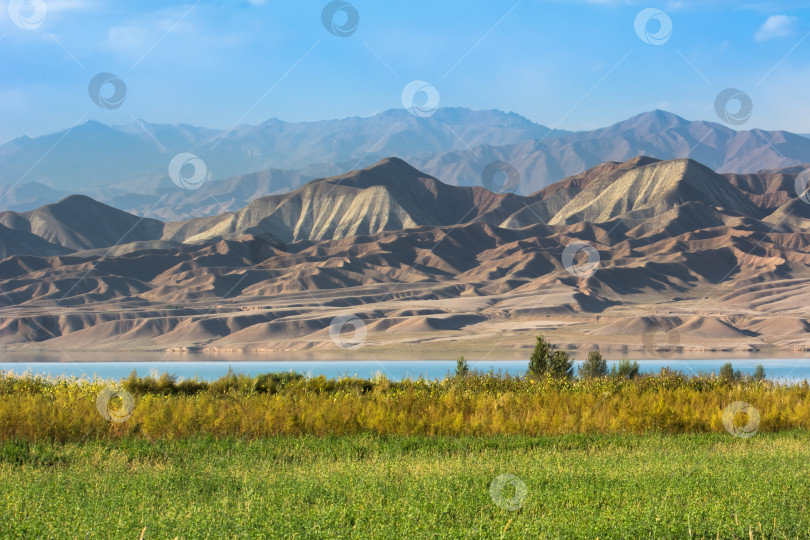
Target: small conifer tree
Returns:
[538, 362]
[462, 367]
[594, 366]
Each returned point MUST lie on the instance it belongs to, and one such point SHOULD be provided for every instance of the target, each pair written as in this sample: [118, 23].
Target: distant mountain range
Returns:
[127, 166]
[657, 134]
[133, 160]
[721, 262]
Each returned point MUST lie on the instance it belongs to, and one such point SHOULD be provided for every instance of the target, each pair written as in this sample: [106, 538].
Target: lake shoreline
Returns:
[795, 369]
[503, 355]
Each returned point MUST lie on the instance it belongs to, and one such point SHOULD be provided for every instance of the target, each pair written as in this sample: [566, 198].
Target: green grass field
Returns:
[367, 486]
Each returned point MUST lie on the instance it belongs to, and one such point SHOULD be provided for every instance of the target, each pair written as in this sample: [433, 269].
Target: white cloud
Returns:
[775, 27]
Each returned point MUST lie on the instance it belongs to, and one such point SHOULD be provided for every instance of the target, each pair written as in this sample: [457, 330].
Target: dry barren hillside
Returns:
[643, 257]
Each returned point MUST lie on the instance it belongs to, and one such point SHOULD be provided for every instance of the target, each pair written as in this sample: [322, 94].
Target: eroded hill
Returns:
[688, 260]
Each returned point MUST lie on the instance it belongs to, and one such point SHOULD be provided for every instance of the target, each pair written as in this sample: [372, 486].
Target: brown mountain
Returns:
[651, 190]
[388, 196]
[14, 242]
[429, 267]
[78, 222]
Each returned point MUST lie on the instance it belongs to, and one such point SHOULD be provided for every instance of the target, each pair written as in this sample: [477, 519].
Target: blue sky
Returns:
[569, 64]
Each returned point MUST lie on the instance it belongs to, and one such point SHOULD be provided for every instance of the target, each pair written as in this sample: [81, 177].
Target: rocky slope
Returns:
[688, 260]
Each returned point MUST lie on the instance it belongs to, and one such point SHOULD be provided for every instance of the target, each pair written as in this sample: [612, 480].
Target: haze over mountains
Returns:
[106, 162]
[127, 166]
[708, 261]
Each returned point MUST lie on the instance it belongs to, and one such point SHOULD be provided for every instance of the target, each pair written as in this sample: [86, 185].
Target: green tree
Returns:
[462, 367]
[759, 372]
[727, 372]
[594, 366]
[560, 365]
[625, 369]
[545, 359]
[538, 362]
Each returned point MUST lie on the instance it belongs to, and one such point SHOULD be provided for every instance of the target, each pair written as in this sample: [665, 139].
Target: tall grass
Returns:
[36, 408]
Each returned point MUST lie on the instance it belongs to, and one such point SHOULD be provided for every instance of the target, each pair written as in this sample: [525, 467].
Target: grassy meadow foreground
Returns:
[621, 455]
[364, 486]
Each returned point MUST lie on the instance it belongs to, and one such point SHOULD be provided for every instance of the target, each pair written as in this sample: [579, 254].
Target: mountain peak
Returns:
[79, 222]
[391, 172]
[656, 119]
[77, 203]
[654, 189]
[94, 125]
[77, 199]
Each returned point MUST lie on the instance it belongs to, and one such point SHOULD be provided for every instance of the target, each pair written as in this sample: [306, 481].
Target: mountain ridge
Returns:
[428, 267]
[393, 195]
[74, 223]
[456, 145]
[142, 150]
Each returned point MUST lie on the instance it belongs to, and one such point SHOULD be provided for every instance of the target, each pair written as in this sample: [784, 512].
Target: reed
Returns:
[42, 409]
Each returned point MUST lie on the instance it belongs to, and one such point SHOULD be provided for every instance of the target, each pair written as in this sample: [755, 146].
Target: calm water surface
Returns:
[211, 367]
